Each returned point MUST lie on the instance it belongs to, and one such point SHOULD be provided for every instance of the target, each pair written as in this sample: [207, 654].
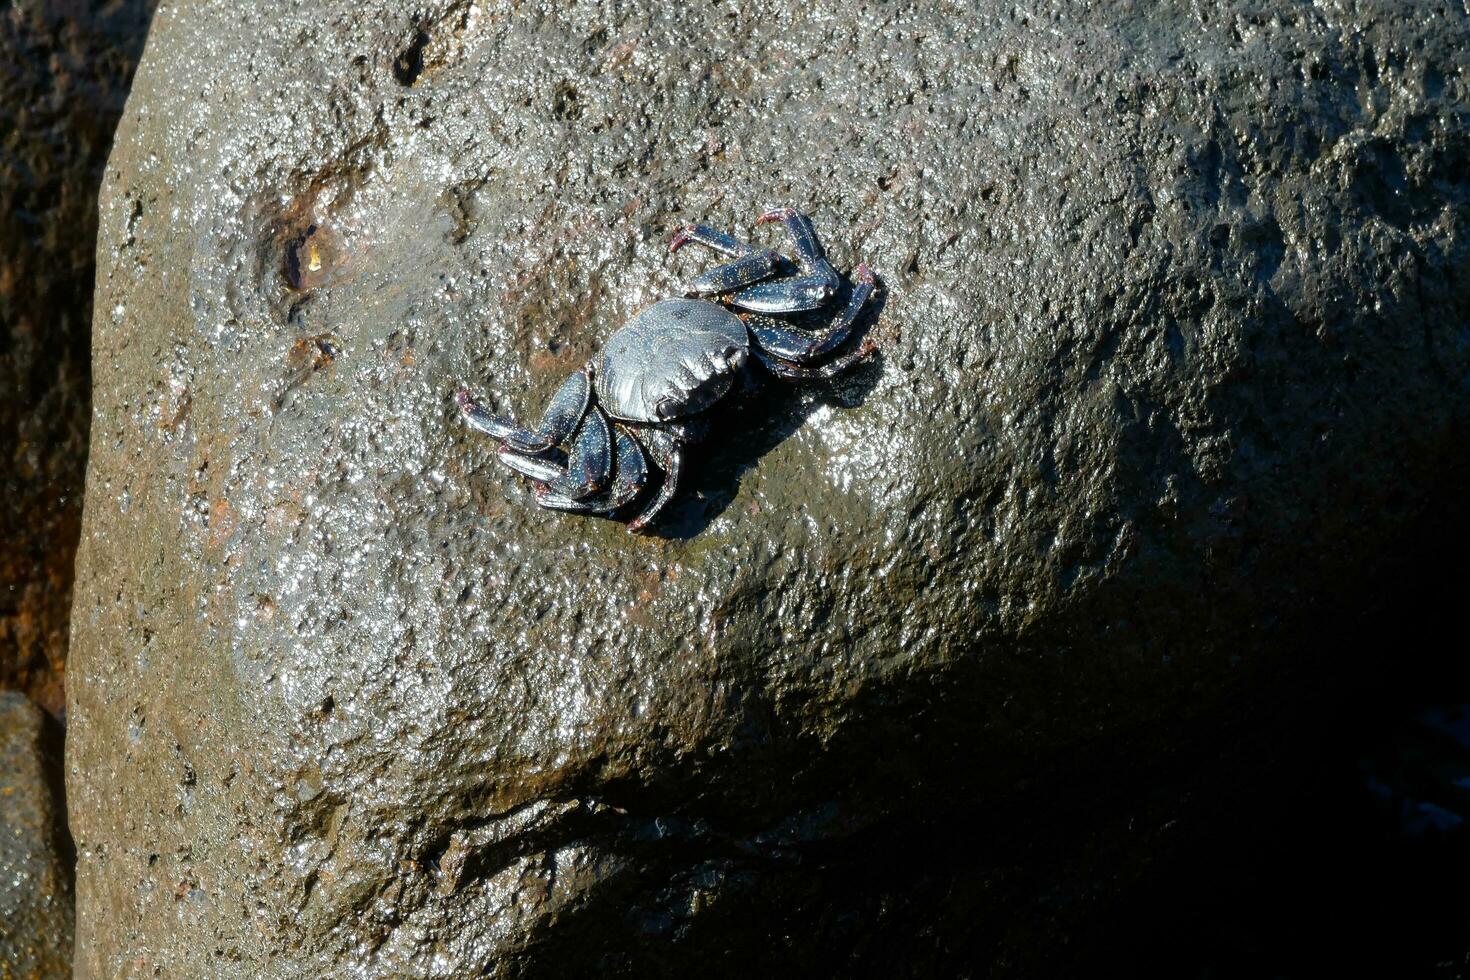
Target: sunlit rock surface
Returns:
[923, 670]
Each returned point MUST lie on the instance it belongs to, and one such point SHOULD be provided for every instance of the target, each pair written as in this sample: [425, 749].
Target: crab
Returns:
[645, 396]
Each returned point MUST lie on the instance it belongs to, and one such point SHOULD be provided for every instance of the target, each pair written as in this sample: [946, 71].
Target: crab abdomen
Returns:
[676, 358]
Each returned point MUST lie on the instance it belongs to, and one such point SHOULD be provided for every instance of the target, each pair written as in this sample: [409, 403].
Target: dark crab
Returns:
[644, 396]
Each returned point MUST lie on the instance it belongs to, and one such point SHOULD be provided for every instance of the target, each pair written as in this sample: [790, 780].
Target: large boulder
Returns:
[65, 75]
[922, 666]
[35, 849]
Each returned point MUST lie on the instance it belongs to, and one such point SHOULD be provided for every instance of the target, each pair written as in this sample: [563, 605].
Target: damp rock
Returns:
[925, 670]
[35, 850]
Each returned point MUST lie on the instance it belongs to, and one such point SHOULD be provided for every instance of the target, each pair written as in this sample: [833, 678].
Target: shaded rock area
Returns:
[927, 673]
[35, 850]
[63, 79]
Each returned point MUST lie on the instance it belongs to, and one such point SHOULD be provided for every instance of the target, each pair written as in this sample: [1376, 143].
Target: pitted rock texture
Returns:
[922, 671]
[35, 851]
[65, 74]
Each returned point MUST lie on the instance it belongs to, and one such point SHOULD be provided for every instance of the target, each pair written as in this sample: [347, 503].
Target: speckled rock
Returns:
[66, 73]
[922, 666]
[35, 849]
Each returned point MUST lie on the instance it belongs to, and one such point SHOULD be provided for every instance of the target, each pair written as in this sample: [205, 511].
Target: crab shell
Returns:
[674, 359]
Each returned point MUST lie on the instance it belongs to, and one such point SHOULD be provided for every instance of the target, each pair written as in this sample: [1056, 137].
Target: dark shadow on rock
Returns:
[66, 75]
[53, 752]
[1241, 851]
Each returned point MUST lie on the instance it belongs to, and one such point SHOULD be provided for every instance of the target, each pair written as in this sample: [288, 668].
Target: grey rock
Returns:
[65, 75]
[35, 851]
[1173, 347]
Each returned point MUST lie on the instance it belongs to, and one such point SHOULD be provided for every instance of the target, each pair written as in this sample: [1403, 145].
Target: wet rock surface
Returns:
[35, 850]
[923, 670]
[62, 86]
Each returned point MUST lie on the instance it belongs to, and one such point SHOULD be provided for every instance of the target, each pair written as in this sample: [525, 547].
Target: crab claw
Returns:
[775, 214]
[681, 237]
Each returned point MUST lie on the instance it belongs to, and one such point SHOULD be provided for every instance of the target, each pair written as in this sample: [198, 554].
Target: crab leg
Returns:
[632, 476]
[776, 338]
[796, 372]
[541, 470]
[665, 451]
[809, 254]
[709, 238]
[589, 464]
[751, 264]
[562, 415]
[749, 268]
[796, 293]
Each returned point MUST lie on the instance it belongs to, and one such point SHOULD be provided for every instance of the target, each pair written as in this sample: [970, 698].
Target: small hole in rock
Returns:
[409, 64]
[564, 104]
